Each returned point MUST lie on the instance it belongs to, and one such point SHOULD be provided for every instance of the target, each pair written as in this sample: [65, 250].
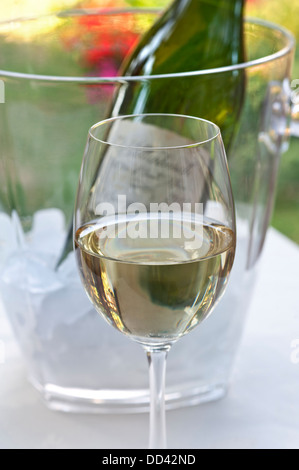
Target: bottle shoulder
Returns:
[190, 39]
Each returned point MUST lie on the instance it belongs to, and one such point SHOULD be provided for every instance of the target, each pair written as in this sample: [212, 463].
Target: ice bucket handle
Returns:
[283, 112]
[295, 120]
[294, 125]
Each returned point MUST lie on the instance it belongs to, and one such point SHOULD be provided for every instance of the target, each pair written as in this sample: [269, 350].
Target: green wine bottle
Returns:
[192, 35]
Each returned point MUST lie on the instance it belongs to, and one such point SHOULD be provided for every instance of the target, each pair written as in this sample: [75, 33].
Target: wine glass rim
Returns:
[194, 144]
[91, 80]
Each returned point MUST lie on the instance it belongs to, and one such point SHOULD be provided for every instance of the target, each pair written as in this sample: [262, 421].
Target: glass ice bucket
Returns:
[58, 76]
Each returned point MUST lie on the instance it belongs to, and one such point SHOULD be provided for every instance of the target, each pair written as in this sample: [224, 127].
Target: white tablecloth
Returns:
[260, 411]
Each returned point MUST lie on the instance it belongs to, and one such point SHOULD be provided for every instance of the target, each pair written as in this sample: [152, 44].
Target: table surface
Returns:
[261, 410]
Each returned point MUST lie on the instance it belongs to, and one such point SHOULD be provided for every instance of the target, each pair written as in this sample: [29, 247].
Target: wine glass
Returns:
[154, 232]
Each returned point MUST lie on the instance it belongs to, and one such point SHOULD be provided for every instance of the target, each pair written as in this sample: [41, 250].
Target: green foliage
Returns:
[147, 3]
[283, 12]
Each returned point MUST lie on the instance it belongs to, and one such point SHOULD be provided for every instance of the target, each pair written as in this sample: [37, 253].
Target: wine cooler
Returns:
[59, 76]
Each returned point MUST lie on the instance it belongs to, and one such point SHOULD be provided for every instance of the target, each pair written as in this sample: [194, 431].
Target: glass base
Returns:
[74, 400]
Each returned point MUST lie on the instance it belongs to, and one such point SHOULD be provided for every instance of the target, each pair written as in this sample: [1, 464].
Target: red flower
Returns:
[100, 43]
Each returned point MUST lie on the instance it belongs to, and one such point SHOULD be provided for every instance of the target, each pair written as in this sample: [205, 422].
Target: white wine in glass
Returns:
[155, 232]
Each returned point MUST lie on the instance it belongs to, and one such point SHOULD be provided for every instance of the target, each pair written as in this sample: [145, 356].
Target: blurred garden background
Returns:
[283, 12]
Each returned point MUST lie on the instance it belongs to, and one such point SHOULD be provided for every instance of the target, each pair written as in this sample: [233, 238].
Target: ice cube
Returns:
[30, 272]
[48, 232]
[62, 307]
[8, 241]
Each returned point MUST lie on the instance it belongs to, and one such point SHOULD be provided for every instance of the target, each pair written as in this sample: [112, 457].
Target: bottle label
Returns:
[150, 164]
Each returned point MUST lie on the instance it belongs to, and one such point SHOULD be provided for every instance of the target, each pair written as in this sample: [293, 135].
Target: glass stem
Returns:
[157, 372]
